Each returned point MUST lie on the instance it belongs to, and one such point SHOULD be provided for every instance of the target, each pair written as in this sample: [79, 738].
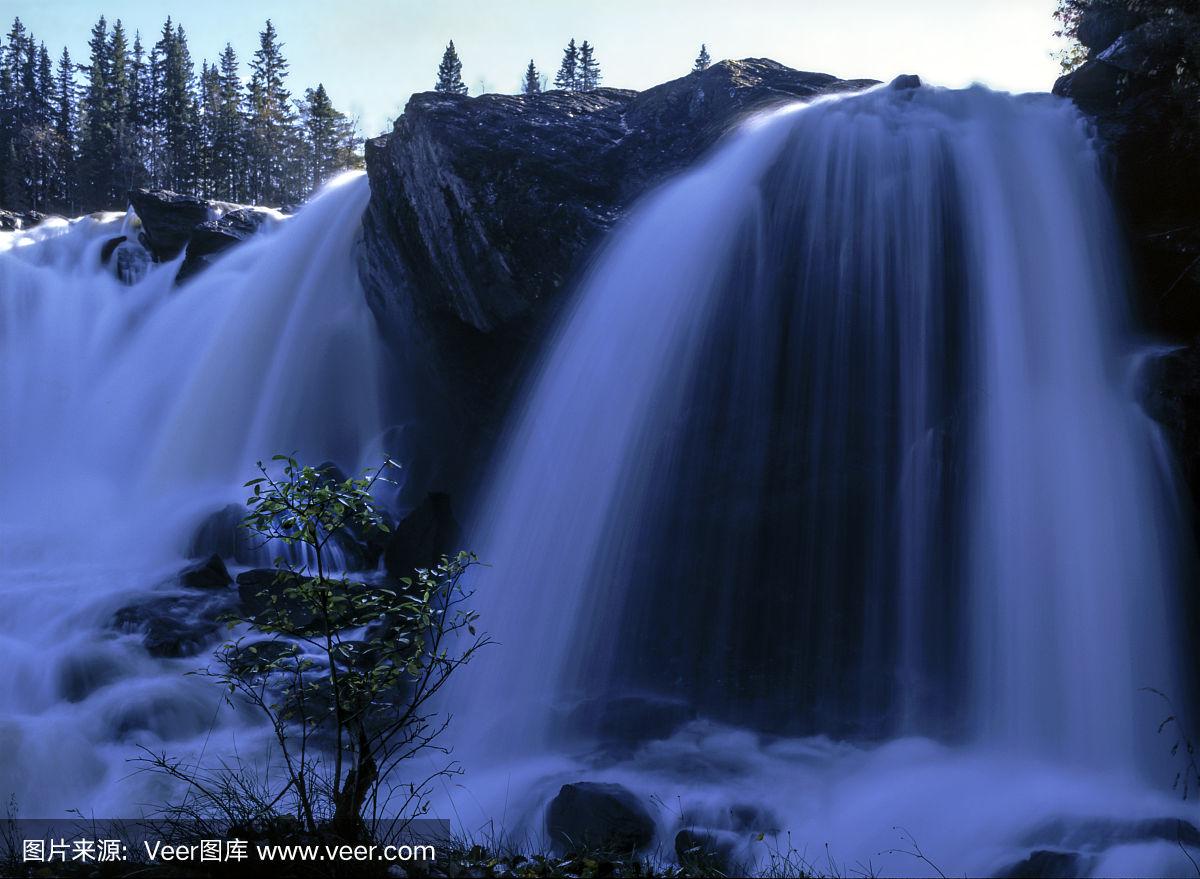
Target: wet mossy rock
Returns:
[592, 816]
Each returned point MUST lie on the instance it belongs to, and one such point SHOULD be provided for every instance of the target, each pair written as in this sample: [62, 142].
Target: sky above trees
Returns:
[372, 54]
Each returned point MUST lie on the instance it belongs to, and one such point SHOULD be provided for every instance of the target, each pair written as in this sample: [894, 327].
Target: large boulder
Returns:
[590, 816]
[209, 574]
[175, 625]
[222, 533]
[212, 237]
[171, 222]
[484, 209]
[168, 219]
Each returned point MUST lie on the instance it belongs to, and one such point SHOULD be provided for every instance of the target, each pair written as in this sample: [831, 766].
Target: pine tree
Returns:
[9, 97]
[449, 78]
[147, 119]
[63, 188]
[330, 139]
[210, 107]
[228, 133]
[175, 109]
[127, 163]
[270, 124]
[589, 68]
[567, 77]
[702, 60]
[139, 114]
[96, 149]
[532, 84]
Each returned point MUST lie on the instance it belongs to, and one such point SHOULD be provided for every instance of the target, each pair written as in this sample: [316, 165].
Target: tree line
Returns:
[579, 70]
[77, 137]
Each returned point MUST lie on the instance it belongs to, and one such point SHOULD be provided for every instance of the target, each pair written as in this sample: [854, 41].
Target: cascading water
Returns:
[128, 413]
[836, 439]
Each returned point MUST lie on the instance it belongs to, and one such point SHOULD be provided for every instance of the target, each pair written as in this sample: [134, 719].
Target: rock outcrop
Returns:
[172, 222]
[12, 221]
[483, 210]
[1145, 113]
[1136, 88]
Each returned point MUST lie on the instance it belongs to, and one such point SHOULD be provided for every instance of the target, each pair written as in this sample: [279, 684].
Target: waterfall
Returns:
[837, 439]
[128, 413]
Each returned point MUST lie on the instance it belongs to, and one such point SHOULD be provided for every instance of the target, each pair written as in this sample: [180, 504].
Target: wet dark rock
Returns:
[248, 657]
[751, 818]
[168, 219]
[1045, 864]
[591, 816]
[171, 222]
[707, 849]
[259, 588]
[209, 574]
[175, 625]
[1098, 834]
[81, 674]
[12, 221]
[216, 236]
[906, 81]
[132, 259]
[1100, 27]
[629, 721]
[111, 245]
[1151, 49]
[331, 472]
[1145, 118]
[422, 537]
[222, 533]
[1149, 132]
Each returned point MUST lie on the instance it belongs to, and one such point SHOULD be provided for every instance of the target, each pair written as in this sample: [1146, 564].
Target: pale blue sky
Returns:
[372, 54]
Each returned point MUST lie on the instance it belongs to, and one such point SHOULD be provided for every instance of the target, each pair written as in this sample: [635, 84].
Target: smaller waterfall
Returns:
[127, 413]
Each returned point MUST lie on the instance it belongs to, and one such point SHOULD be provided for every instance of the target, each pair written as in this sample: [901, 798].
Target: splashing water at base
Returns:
[128, 413]
[836, 440]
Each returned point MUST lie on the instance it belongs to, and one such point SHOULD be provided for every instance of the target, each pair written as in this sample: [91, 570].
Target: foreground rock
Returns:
[483, 210]
[599, 817]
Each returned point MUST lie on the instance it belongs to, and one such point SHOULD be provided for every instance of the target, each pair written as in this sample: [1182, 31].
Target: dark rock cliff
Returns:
[483, 210]
[1139, 86]
[1136, 87]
